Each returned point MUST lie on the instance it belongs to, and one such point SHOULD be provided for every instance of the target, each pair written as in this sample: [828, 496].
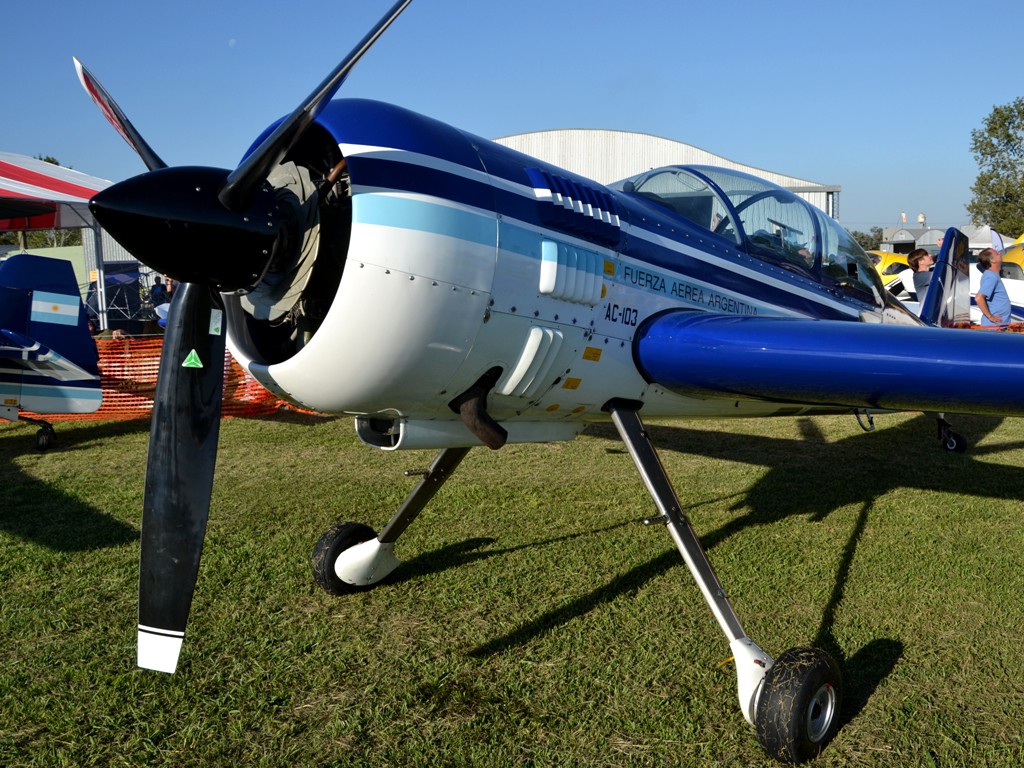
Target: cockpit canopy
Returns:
[764, 220]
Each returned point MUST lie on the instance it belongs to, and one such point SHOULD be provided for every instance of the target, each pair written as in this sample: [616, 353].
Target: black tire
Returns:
[954, 442]
[797, 711]
[45, 438]
[336, 540]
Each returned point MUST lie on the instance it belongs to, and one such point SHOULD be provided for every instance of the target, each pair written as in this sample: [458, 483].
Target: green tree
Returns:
[868, 241]
[998, 148]
[44, 238]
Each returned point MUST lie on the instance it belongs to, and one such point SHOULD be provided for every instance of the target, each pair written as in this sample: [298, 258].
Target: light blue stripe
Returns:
[549, 251]
[66, 299]
[62, 392]
[403, 213]
[52, 317]
[525, 242]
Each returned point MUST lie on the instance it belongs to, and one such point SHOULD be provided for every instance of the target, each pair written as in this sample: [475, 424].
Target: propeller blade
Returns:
[179, 473]
[247, 177]
[117, 118]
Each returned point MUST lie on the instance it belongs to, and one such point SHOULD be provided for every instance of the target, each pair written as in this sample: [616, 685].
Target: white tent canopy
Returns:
[35, 194]
[982, 237]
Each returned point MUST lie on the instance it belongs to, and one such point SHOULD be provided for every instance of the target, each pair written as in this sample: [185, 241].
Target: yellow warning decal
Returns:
[609, 267]
[592, 353]
[572, 383]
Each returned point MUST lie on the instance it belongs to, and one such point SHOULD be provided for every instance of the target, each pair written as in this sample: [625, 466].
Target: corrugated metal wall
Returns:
[607, 156]
[112, 250]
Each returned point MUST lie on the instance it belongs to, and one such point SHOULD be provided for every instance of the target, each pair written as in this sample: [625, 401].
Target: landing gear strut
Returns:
[350, 556]
[793, 702]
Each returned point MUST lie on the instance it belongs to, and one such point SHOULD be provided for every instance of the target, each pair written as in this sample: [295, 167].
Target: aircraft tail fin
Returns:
[42, 302]
[947, 302]
[48, 359]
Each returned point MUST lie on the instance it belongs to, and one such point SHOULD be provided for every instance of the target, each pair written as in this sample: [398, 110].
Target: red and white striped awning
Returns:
[38, 195]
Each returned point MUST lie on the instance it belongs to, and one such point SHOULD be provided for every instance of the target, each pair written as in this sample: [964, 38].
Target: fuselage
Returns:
[460, 255]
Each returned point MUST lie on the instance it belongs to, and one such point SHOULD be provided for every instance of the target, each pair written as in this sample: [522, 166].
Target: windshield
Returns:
[686, 194]
[767, 221]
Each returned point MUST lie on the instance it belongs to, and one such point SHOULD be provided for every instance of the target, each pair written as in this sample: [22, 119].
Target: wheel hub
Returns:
[820, 711]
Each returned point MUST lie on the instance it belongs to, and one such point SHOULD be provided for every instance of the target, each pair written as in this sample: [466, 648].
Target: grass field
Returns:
[535, 621]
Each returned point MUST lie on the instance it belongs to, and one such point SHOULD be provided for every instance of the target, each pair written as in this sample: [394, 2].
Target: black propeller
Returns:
[179, 471]
[214, 231]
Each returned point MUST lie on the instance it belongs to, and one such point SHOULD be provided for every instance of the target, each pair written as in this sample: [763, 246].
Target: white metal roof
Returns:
[606, 156]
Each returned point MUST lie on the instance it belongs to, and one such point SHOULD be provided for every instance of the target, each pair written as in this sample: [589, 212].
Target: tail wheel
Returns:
[954, 442]
[45, 438]
[797, 710]
[336, 540]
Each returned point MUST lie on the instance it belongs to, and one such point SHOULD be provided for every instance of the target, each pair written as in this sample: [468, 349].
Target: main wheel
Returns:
[797, 710]
[336, 540]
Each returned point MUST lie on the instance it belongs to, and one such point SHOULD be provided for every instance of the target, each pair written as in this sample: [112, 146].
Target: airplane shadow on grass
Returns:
[471, 550]
[813, 477]
[36, 511]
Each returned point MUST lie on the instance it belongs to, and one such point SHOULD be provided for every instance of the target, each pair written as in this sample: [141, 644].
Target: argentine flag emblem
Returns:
[59, 308]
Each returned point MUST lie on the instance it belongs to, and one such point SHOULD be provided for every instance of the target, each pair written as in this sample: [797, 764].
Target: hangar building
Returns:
[606, 156]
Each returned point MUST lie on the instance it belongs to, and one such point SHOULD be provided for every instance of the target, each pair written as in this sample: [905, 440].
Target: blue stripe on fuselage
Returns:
[411, 153]
[666, 259]
[13, 373]
[525, 240]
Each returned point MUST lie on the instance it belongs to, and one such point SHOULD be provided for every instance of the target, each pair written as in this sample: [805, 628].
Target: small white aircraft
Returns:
[450, 292]
[48, 359]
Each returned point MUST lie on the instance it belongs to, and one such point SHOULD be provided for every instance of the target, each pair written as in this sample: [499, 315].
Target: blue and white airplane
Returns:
[449, 292]
[48, 359]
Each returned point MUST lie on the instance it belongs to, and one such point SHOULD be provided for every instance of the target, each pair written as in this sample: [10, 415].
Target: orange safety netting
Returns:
[1011, 328]
[128, 369]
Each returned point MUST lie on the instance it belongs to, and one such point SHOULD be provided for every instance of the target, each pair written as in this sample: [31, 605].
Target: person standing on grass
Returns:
[992, 298]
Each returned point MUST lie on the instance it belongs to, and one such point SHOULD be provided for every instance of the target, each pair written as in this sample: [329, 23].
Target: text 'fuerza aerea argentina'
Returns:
[694, 294]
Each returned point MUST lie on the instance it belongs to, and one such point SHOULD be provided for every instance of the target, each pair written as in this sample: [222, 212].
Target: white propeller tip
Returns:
[159, 649]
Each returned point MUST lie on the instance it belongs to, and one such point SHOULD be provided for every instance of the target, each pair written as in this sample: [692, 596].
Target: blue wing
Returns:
[834, 363]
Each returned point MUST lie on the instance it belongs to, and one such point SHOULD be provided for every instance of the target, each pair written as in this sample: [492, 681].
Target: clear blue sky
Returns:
[878, 97]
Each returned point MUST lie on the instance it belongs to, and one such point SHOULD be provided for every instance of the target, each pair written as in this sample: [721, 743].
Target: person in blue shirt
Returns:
[992, 298]
[158, 292]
